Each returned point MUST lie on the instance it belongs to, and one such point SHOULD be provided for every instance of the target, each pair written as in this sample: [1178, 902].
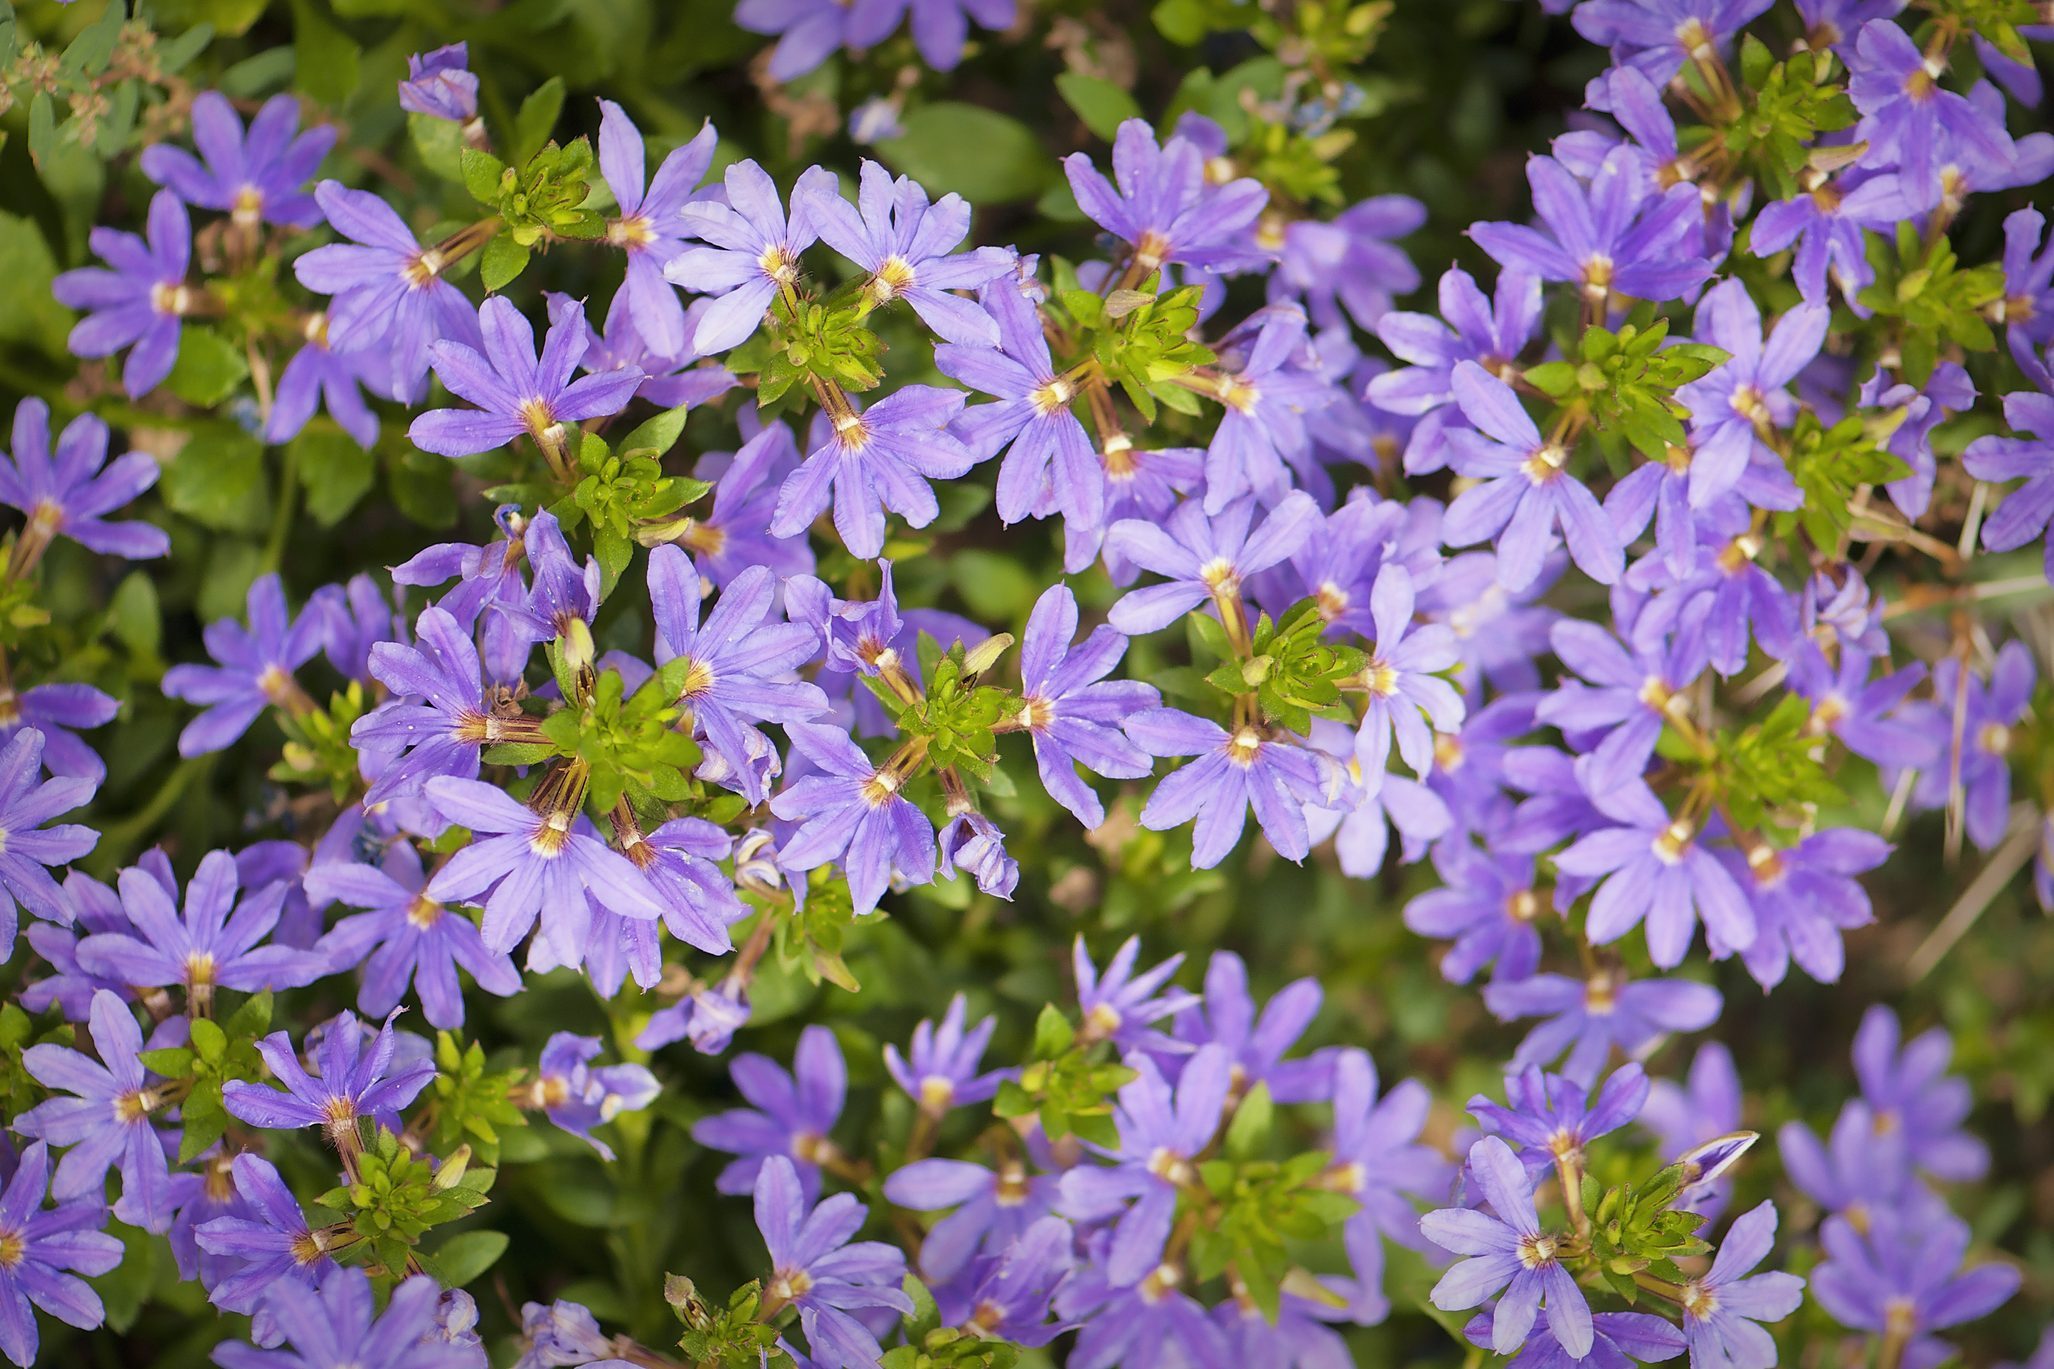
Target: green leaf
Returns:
[28, 313]
[325, 58]
[536, 120]
[482, 173]
[208, 370]
[90, 52]
[502, 261]
[1251, 1124]
[465, 1256]
[984, 156]
[657, 435]
[134, 617]
[1102, 105]
[441, 145]
[217, 479]
[335, 472]
[209, 1041]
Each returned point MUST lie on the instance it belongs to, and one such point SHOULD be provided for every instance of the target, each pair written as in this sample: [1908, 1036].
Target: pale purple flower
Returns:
[754, 251]
[1255, 1043]
[1347, 263]
[441, 715]
[815, 1268]
[1265, 389]
[1974, 736]
[255, 177]
[1906, 1084]
[1010, 1298]
[877, 459]
[993, 1208]
[1152, 1322]
[1508, 1251]
[338, 1328]
[1491, 332]
[1233, 770]
[355, 1079]
[1407, 698]
[1587, 1018]
[1619, 1340]
[1119, 1005]
[441, 85]
[851, 811]
[140, 301]
[318, 375]
[255, 670]
[1860, 1169]
[941, 28]
[1745, 396]
[1140, 483]
[562, 1333]
[1070, 711]
[792, 1116]
[1552, 1119]
[1616, 711]
[28, 849]
[1803, 898]
[72, 494]
[1164, 209]
[1705, 1107]
[735, 533]
[272, 1243]
[1828, 225]
[810, 30]
[2028, 305]
[1910, 120]
[2021, 514]
[214, 942]
[106, 1119]
[1902, 1276]
[1616, 236]
[1723, 1306]
[939, 1070]
[577, 1096]
[972, 844]
[908, 247]
[1487, 906]
[1204, 557]
[55, 1246]
[1379, 1160]
[514, 390]
[1860, 712]
[648, 224]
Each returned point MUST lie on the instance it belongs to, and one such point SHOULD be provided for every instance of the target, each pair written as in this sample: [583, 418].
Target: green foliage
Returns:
[398, 1197]
[812, 344]
[19, 1091]
[620, 493]
[472, 1102]
[1139, 339]
[218, 1052]
[1829, 465]
[1768, 774]
[1635, 1230]
[1291, 669]
[955, 715]
[1624, 384]
[1933, 299]
[1251, 1213]
[730, 1338]
[812, 939]
[542, 201]
[317, 746]
[1067, 1084]
[1792, 102]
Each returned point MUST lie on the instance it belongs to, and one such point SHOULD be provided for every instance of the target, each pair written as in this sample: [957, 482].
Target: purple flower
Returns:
[1828, 226]
[1050, 460]
[1204, 557]
[852, 812]
[1910, 120]
[754, 252]
[1140, 483]
[1974, 734]
[812, 29]
[735, 534]
[792, 1116]
[1264, 393]
[1151, 1322]
[708, 1019]
[354, 1080]
[515, 392]
[1380, 1162]
[562, 1333]
[739, 663]
[106, 1121]
[1486, 903]
[27, 848]
[972, 844]
[878, 459]
[140, 301]
[1617, 710]
[441, 85]
[213, 943]
[1804, 898]
[1070, 711]
[1687, 1117]
[1405, 692]
[389, 291]
[1164, 209]
[273, 1243]
[1010, 1300]
[1722, 1306]
[525, 864]
[941, 27]
[993, 1208]
[51, 1249]
[577, 1097]
[405, 938]
[648, 226]
[1508, 1251]
[1347, 260]
[1848, 705]
[318, 374]
[337, 1328]
[1361, 823]
[1618, 235]
[1619, 1340]
[1234, 770]
[1490, 332]
[1901, 1276]
[817, 1270]
[1552, 1119]
[1659, 36]
[255, 669]
[1526, 492]
[441, 714]
[1119, 1005]
[490, 597]
[1861, 1169]
[1912, 1095]
[2028, 305]
[52, 710]
[1587, 1018]
[1162, 1134]
[1255, 1045]
[257, 178]
[68, 985]
[905, 244]
[941, 1072]
[699, 900]
[2023, 513]
[72, 495]
[1745, 396]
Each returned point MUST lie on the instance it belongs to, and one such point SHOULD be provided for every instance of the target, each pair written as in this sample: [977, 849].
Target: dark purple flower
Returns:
[71, 495]
[514, 390]
[792, 1116]
[852, 812]
[1070, 711]
[1744, 397]
[576, 1096]
[2023, 513]
[878, 459]
[255, 178]
[213, 943]
[1910, 120]
[339, 1328]
[1901, 1276]
[708, 1019]
[489, 599]
[51, 1249]
[648, 226]
[1491, 332]
[735, 534]
[972, 844]
[70, 986]
[106, 1121]
[1140, 483]
[817, 1270]
[906, 244]
[271, 1244]
[1507, 1251]
[1010, 1300]
[355, 1080]
[1233, 770]
[2027, 309]
[754, 251]
[1380, 1162]
[1588, 1018]
[255, 670]
[140, 301]
[27, 848]
[441, 85]
[1164, 209]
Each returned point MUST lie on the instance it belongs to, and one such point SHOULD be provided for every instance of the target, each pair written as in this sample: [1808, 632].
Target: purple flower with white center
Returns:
[791, 1117]
[106, 1119]
[441, 85]
[355, 1079]
[1659, 36]
[2028, 305]
[1804, 898]
[1261, 437]
[1913, 1096]
[851, 811]
[1347, 262]
[318, 375]
[1901, 1277]
[1119, 1005]
[273, 1244]
[754, 251]
[816, 1269]
[1204, 557]
[1487, 905]
[255, 670]
[1164, 209]
[1255, 1044]
[1974, 736]
[388, 290]
[1723, 1307]
[1919, 412]
[972, 844]
[1150, 1322]
[50, 1249]
[908, 247]
[939, 1070]
[1617, 710]
[1405, 692]
[514, 390]
[1070, 711]
[71, 495]
[1616, 236]
[1619, 1340]
[140, 301]
[405, 938]
[810, 30]
[1552, 1119]
[1827, 225]
[213, 943]
[1508, 1251]
[564, 592]
[1746, 395]
[27, 848]
[1233, 771]
[255, 178]
[877, 459]
[577, 1097]
[1859, 1170]
[523, 864]
[441, 715]
[1526, 492]
[1655, 868]
[1162, 1134]
[1910, 120]
[1491, 332]
[1587, 1018]
[1140, 483]
[2022, 514]
[1499, 633]
[1010, 1300]
[699, 902]
[647, 225]
[1380, 1162]
[1860, 712]
[739, 663]
[1361, 823]
[993, 1209]
[339, 1328]
[1050, 459]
